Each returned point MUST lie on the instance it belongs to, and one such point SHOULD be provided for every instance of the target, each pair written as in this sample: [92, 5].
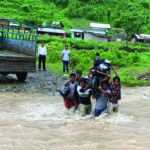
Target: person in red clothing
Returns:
[70, 100]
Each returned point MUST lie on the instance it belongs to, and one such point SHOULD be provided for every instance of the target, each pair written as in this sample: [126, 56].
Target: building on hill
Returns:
[96, 35]
[89, 34]
[51, 31]
[52, 28]
[77, 33]
[144, 38]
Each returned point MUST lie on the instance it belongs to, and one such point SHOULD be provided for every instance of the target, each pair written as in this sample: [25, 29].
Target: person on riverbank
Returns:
[42, 54]
[115, 89]
[84, 98]
[101, 102]
[70, 100]
[66, 57]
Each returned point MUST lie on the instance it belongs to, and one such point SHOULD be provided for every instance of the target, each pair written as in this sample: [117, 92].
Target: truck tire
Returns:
[21, 76]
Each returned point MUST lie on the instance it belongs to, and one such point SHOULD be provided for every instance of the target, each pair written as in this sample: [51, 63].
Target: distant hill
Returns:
[72, 13]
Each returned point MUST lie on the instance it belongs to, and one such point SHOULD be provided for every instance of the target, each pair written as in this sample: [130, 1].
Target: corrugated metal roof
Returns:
[77, 30]
[96, 31]
[145, 36]
[51, 30]
[138, 36]
[98, 25]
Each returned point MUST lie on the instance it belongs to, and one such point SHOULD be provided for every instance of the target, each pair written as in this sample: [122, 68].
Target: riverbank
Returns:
[132, 62]
[40, 82]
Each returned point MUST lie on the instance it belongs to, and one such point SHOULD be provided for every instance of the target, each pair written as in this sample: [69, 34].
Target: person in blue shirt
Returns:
[101, 102]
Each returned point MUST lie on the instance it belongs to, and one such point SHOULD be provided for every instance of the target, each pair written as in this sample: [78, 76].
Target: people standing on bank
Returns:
[115, 89]
[42, 54]
[66, 57]
[70, 100]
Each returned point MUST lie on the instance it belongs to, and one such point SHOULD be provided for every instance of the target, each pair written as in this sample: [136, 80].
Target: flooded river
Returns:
[40, 122]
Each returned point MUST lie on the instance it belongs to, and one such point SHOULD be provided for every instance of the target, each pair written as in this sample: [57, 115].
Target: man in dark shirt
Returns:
[97, 60]
[84, 98]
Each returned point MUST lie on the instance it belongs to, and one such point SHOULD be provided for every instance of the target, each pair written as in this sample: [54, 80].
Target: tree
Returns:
[132, 20]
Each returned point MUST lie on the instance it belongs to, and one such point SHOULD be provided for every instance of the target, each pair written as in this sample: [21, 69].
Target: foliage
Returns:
[131, 15]
[130, 63]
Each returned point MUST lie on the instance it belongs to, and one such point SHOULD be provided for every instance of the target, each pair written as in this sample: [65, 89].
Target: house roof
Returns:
[98, 25]
[77, 30]
[142, 36]
[95, 31]
[145, 36]
[91, 31]
[51, 30]
[138, 36]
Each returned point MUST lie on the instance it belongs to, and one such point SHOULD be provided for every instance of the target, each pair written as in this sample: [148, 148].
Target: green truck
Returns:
[17, 49]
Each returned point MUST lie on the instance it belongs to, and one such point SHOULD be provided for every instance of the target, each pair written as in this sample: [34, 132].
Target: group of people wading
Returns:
[80, 93]
[77, 93]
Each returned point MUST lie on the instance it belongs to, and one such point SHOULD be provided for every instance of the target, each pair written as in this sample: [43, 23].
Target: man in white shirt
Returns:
[66, 56]
[42, 54]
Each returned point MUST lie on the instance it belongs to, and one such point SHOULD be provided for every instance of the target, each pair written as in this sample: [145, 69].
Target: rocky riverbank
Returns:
[40, 82]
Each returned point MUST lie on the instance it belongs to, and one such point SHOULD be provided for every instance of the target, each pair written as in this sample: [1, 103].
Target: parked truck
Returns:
[17, 49]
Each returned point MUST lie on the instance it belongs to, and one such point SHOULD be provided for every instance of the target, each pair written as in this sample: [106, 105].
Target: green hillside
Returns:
[78, 13]
[133, 16]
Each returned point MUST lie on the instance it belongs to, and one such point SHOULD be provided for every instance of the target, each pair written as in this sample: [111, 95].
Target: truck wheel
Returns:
[21, 76]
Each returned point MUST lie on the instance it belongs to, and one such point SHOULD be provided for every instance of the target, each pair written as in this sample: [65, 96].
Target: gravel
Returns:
[40, 82]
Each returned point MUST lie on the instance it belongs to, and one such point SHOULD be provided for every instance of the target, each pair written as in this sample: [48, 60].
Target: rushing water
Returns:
[37, 122]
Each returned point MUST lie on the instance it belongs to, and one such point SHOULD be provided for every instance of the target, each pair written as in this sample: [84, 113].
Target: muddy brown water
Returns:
[40, 122]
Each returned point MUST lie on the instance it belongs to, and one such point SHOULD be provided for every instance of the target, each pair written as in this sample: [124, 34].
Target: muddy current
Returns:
[39, 121]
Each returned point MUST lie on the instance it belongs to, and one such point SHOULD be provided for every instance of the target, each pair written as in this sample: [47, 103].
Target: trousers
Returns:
[42, 59]
[65, 66]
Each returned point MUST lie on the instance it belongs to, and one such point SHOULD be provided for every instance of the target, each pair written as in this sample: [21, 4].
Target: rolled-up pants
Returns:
[70, 102]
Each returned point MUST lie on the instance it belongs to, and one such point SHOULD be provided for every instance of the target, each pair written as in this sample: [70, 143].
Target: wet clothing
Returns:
[98, 112]
[70, 102]
[73, 88]
[84, 96]
[113, 107]
[85, 100]
[114, 97]
[115, 93]
[85, 109]
[102, 101]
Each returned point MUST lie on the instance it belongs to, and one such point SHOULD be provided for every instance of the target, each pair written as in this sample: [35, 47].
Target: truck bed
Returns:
[12, 62]
[5, 54]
